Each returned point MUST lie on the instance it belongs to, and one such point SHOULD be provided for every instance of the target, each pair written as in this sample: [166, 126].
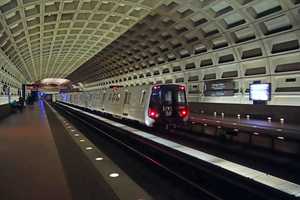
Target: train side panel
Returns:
[99, 101]
[113, 102]
[138, 103]
[93, 99]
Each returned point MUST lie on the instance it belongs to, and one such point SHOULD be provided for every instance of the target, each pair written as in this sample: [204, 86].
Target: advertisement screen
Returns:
[260, 92]
[219, 88]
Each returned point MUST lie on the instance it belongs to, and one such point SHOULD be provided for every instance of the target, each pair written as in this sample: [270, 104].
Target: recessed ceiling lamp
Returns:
[56, 81]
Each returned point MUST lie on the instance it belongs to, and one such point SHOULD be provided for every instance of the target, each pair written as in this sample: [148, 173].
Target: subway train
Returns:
[152, 105]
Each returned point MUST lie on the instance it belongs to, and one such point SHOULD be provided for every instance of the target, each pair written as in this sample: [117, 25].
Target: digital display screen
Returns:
[260, 92]
[219, 88]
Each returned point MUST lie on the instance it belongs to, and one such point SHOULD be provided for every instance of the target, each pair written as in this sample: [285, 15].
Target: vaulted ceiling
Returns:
[179, 29]
[88, 40]
[52, 38]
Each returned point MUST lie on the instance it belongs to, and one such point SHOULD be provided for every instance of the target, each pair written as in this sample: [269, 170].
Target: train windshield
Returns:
[181, 97]
[168, 95]
[155, 97]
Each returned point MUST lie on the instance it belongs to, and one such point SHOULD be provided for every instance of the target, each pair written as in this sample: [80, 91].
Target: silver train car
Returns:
[162, 104]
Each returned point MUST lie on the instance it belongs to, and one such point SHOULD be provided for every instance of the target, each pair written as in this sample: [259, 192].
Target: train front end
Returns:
[168, 105]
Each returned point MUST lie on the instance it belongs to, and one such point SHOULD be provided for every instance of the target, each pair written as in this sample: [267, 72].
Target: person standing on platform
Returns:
[21, 104]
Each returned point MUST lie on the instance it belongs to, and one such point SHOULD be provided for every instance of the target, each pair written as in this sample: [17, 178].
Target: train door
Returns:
[95, 99]
[102, 102]
[168, 103]
[127, 96]
[88, 99]
[98, 102]
[92, 99]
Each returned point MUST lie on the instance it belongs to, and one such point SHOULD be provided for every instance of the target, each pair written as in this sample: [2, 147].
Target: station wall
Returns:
[276, 62]
[243, 41]
[10, 78]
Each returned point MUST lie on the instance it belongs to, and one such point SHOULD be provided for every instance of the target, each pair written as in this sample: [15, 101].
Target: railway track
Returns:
[206, 180]
[258, 158]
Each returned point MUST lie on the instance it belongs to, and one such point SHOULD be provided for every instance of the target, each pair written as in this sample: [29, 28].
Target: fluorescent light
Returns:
[113, 175]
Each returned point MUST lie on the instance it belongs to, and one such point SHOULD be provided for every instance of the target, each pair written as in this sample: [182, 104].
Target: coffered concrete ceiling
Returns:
[211, 32]
[52, 38]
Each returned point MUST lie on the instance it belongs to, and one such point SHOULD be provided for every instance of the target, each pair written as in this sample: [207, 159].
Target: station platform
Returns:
[39, 161]
[30, 165]
[276, 136]
[43, 156]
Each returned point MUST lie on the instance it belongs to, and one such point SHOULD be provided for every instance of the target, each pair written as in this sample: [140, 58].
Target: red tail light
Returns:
[181, 87]
[152, 113]
[183, 111]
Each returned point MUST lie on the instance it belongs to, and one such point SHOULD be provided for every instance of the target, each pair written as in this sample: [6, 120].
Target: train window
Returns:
[142, 97]
[181, 97]
[168, 97]
[116, 97]
[155, 97]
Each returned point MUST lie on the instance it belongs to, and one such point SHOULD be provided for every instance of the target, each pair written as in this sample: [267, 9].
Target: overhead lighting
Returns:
[30, 7]
[13, 26]
[52, 3]
[280, 138]
[57, 81]
[10, 15]
[30, 19]
[113, 175]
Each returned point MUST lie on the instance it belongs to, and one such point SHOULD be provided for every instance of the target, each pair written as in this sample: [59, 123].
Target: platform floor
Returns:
[30, 167]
